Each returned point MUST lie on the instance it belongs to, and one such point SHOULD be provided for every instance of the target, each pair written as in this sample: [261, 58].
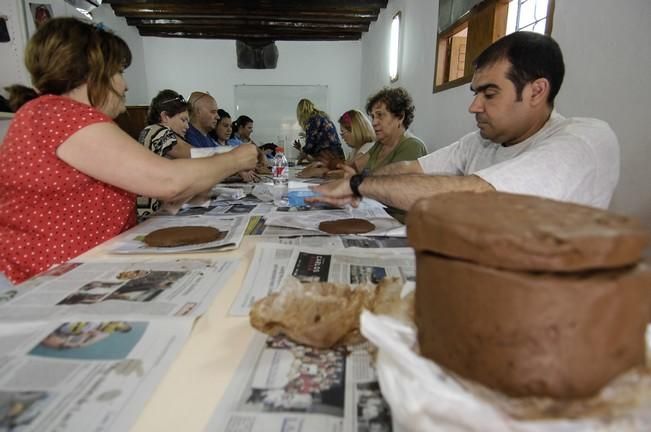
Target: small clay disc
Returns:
[347, 226]
[182, 236]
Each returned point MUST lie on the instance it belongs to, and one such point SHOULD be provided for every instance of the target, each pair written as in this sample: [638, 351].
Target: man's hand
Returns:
[336, 193]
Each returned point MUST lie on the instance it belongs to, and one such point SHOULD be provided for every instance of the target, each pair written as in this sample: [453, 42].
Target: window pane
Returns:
[394, 47]
[539, 27]
[511, 16]
[541, 9]
[527, 12]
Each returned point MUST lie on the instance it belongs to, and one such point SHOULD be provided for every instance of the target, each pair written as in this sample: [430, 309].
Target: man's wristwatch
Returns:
[355, 182]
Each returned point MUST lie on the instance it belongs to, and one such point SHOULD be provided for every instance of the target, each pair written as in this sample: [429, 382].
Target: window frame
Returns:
[486, 22]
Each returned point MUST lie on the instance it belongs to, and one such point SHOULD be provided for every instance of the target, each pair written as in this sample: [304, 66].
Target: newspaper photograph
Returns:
[92, 375]
[131, 289]
[131, 242]
[285, 386]
[272, 262]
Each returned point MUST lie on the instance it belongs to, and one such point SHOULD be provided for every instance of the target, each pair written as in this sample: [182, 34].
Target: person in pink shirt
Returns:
[68, 174]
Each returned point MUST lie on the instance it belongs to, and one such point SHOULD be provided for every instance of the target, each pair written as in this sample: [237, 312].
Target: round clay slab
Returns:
[182, 236]
[347, 226]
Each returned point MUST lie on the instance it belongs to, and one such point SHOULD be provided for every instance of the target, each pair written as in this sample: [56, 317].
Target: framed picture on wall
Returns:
[37, 12]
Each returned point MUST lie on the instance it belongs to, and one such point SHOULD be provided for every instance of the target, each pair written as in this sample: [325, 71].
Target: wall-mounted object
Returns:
[256, 54]
[4, 32]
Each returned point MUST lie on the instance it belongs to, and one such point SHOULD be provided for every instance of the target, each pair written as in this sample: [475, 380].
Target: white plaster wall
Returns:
[186, 65]
[607, 48]
[12, 67]
[608, 61]
[135, 74]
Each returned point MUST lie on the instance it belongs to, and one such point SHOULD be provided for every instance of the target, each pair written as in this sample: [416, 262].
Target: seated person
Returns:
[521, 146]
[203, 119]
[167, 121]
[269, 150]
[321, 138]
[222, 134]
[19, 95]
[242, 130]
[358, 134]
[391, 111]
[224, 129]
[167, 124]
[68, 174]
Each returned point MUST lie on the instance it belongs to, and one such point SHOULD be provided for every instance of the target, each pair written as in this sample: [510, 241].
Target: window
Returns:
[394, 48]
[467, 27]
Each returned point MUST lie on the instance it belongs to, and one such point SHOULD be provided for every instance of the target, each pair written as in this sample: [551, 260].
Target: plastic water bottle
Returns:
[280, 175]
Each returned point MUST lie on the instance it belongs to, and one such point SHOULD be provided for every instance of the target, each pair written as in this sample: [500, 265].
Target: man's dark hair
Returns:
[532, 56]
[398, 102]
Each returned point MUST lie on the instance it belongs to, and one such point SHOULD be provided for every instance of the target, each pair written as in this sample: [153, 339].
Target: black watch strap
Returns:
[355, 182]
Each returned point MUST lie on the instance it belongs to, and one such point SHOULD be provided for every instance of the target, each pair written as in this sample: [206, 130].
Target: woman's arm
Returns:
[103, 151]
[181, 150]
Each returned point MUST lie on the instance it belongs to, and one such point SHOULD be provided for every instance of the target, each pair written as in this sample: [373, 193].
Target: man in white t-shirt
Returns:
[521, 146]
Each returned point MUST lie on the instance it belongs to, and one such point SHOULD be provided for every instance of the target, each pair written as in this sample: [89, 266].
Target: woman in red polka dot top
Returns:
[68, 174]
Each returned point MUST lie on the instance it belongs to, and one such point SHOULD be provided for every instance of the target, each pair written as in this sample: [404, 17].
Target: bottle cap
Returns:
[280, 149]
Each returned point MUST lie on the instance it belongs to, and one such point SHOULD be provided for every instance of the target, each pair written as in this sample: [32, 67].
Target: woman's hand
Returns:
[249, 176]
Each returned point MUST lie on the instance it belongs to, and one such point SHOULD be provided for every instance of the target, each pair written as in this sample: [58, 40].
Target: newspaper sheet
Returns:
[273, 262]
[228, 208]
[284, 386]
[309, 218]
[258, 227]
[131, 289]
[131, 242]
[91, 375]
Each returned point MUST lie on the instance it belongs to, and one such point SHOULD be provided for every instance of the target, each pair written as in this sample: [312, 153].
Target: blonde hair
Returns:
[65, 53]
[306, 109]
[359, 126]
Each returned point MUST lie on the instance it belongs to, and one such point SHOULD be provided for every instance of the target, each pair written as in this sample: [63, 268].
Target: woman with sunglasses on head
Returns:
[68, 174]
[168, 122]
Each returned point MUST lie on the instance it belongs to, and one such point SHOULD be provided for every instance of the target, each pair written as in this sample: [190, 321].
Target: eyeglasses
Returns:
[178, 98]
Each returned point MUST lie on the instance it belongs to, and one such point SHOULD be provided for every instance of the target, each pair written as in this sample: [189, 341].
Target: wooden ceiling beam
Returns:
[192, 22]
[251, 19]
[258, 4]
[161, 11]
[250, 25]
[249, 36]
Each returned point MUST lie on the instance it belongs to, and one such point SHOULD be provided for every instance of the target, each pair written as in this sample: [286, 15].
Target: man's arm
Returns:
[404, 167]
[403, 190]
[399, 191]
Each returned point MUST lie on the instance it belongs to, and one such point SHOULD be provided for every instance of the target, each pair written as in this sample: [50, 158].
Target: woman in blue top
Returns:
[321, 138]
[242, 129]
